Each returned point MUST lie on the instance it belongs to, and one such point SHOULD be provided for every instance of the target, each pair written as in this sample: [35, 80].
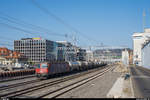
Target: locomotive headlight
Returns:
[41, 71]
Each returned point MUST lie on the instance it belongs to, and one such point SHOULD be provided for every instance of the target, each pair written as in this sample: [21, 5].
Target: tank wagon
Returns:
[46, 69]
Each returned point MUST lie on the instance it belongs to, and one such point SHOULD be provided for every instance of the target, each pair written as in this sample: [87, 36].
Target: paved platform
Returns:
[141, 81]
[116, 90]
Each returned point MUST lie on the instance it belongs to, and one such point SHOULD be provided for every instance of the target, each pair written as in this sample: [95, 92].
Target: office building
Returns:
[138, 41]
[36, 49]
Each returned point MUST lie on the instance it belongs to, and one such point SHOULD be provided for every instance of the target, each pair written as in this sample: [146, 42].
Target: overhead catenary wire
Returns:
[6, 38]
[52, 15]
[29, 25]
[16, 28]
[6, 44]
[61, 21]
[4, 41]
[35, 27]
[15, 21]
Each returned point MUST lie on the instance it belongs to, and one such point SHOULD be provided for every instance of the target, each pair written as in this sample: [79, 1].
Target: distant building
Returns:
[146, 54]
[127, 56]
[9, 57]
[60, 52]
[81, 54]
[107, 55]
[138, 40]
[70, 51]
[89, 55]
[130, 57]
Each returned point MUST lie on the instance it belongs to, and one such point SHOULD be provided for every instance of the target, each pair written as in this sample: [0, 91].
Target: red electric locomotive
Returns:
[46, 69]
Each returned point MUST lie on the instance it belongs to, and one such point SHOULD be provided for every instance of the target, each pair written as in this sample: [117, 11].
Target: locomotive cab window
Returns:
[44, 65]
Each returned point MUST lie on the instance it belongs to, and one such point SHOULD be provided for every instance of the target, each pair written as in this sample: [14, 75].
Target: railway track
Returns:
[43, 85]
[16, 78]
[17, 84]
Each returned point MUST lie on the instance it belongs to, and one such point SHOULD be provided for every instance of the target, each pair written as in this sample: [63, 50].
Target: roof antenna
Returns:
[144, 19]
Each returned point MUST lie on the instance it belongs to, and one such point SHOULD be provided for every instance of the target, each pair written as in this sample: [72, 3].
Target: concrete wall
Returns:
[146, 56]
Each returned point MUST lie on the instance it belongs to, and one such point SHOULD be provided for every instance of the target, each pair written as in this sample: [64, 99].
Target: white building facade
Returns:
[125, 57]
[89, 55]
[146, 55]
[138, 41]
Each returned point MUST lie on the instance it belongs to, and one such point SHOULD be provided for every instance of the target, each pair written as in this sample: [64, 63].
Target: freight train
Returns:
[46, 69]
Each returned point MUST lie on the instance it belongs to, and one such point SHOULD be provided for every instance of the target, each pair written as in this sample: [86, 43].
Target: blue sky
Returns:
[111, 22]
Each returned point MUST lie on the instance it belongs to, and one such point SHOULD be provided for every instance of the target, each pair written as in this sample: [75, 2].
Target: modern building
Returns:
[89, 56]
[60, 52]
[70, 51]
[146, 54]
[36, 49]
[127, 57]
[138, 40]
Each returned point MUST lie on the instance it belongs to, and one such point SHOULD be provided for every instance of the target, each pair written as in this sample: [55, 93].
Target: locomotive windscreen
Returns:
[44, 65]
